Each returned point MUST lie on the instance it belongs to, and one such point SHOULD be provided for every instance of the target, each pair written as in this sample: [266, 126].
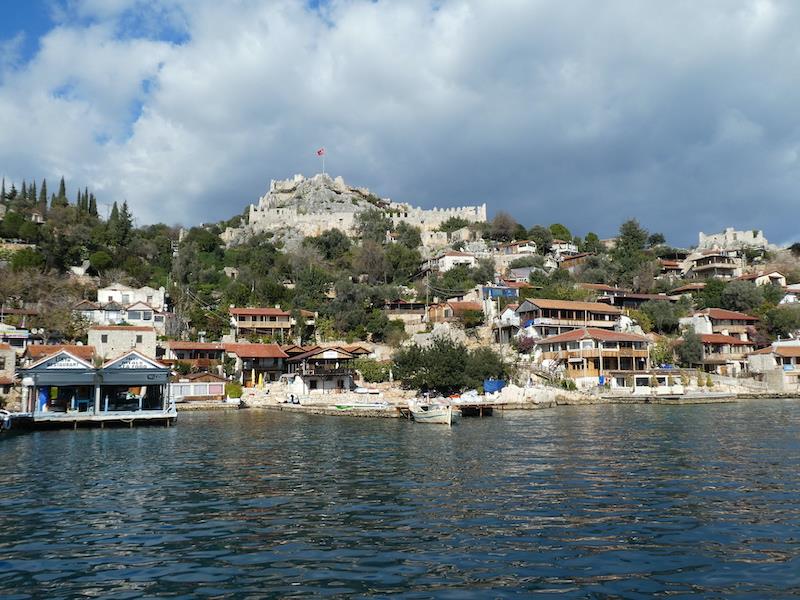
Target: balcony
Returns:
[595, 353]
[576, 323]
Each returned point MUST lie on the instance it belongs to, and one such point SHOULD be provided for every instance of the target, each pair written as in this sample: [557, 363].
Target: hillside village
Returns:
[321, 288]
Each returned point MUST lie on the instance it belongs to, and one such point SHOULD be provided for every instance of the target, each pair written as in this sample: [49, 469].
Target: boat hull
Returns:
[434, 415]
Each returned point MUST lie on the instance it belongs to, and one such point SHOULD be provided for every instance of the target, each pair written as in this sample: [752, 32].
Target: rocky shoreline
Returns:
[343, 405]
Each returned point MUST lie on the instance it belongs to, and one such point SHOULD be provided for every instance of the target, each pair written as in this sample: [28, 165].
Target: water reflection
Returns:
[614, 501]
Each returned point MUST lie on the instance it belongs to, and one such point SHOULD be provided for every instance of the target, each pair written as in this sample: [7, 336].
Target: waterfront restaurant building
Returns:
[69, 388]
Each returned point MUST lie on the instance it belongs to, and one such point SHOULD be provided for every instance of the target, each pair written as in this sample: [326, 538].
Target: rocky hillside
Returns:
[298, 207]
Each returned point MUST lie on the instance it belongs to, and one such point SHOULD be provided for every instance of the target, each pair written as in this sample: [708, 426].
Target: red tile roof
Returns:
[6, 381]
[465, 306]
[4, 346]
[787, 351]
[594, 333]
[256, 350]
[37, 352]
[573, 305]
[722, 314]
[689, 287]
[271, 312]
[718, 338]
[181, 345]
[600, 287]
[315, 351]
[122, 328]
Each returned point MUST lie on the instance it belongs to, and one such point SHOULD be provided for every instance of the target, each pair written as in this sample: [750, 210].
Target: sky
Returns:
[682, 114]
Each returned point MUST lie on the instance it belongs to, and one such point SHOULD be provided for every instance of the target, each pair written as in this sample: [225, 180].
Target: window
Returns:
[147, 315]
[126, 298]
[134, 315]
[138, 339]
[312, 385]
[103, 339]
[150, 300]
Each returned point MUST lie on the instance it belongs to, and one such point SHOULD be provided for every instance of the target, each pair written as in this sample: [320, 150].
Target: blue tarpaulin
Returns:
[493, 385]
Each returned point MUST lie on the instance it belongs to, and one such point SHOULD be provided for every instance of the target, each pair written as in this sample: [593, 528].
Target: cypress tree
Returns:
[53, 201]
[113, 218]
[24, 191]
[3, 191]
[43, 193]
[92, 205]
[62, 193]
[32, 194]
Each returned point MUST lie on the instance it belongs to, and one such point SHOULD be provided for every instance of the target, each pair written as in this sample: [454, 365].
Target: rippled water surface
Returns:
[587, 502]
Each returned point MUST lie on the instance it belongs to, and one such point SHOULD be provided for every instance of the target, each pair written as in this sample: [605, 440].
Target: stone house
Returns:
[778, 365]
[111, 341]
[445, 312]
[775, 278]
[8, 359]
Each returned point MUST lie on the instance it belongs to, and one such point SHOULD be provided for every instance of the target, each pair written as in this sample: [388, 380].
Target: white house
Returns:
[125, 295]
[449, 260]
[775, 278]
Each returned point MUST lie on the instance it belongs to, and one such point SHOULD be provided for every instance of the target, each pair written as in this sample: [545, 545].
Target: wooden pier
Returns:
[28, 421]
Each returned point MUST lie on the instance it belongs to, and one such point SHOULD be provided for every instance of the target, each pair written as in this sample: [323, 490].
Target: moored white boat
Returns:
[434, 413]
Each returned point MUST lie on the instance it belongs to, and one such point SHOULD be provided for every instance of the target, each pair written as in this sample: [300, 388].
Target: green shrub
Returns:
[568, 384]
[372, 371]
[233, 389]
[709, 382]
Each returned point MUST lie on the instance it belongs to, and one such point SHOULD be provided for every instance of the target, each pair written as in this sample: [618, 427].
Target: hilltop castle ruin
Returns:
[311, 206]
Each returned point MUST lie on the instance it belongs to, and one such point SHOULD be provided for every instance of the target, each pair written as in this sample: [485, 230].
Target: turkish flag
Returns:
[321, 151]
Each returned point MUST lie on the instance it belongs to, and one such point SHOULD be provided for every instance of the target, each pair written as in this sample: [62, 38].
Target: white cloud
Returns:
[584, 113]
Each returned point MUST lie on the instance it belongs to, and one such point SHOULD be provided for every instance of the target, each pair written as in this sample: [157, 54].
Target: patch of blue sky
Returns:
[31, 18]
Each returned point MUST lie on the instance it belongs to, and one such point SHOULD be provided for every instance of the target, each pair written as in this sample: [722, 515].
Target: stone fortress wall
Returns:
[314, 205]
[730, 239]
